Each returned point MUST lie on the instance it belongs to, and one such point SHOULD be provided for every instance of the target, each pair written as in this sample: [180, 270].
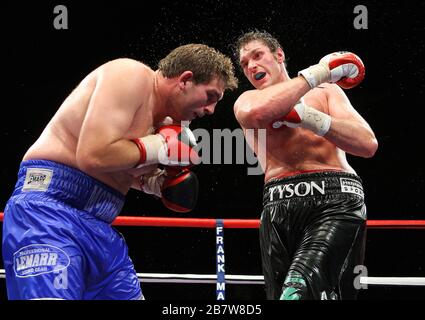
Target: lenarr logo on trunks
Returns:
[37, 259]
[37, 179]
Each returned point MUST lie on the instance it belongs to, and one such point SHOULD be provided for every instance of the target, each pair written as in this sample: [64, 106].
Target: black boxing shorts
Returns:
[312, 235]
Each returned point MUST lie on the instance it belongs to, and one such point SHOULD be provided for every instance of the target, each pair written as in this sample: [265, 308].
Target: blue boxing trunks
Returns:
[57, 239]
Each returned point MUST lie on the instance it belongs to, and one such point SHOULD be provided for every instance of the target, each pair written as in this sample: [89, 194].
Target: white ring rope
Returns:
[188, 278]
[253, 279]
[393, 281]
[198, 278]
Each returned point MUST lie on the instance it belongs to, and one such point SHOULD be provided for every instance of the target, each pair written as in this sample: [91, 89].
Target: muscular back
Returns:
[58, 142]
[61, 137]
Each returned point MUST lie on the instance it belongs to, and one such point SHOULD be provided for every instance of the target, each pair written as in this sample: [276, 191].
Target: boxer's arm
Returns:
[259, 108]
[117, 97]
[135, 184]
[348, 130]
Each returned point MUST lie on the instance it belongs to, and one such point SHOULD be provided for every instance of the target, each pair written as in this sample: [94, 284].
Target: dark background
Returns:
[42, 65]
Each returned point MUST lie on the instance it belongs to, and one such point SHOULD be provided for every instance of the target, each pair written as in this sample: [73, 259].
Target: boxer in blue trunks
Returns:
[108, 136]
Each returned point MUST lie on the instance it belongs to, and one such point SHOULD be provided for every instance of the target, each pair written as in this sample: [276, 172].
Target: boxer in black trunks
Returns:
[313, 224]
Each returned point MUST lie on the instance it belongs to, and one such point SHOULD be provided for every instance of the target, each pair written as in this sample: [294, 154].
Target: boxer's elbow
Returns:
[252, 118]
[88, 161]
[251, 112]
[370, 148]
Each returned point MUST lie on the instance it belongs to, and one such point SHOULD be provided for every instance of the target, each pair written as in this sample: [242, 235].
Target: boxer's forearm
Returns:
[352, 137]
[117, 156]
[276, 101]
[259, 108]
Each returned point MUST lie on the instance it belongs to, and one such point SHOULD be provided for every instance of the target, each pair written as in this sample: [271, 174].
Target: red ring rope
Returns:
[241, 223]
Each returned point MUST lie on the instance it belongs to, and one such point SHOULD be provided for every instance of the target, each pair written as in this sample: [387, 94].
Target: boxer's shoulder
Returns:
[128, 68]
[126, 62]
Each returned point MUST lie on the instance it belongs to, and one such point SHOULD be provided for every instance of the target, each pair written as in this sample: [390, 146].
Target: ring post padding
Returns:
[221, 282]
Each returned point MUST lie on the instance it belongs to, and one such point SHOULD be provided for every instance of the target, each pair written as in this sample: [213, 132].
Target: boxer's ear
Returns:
[184, 78]
[280, 55]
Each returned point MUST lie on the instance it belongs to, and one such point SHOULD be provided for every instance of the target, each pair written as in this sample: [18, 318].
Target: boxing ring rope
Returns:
[137, 221]
[252, 279]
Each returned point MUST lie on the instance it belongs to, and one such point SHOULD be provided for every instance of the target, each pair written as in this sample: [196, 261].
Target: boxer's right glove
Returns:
[178, 190]
[173, 145]
[343, 68]
[307, 117]
[304, 116]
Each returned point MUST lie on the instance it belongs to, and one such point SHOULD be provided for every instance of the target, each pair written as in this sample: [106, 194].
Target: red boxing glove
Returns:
[173, 145]
[177, 190]
[343, 68]
[306, 117]
[180, 192]
[181, 143]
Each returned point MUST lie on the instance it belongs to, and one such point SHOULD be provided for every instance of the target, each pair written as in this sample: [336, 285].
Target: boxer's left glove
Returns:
[306, 117]
[178, 190]
[343, 68]
[173, 145]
